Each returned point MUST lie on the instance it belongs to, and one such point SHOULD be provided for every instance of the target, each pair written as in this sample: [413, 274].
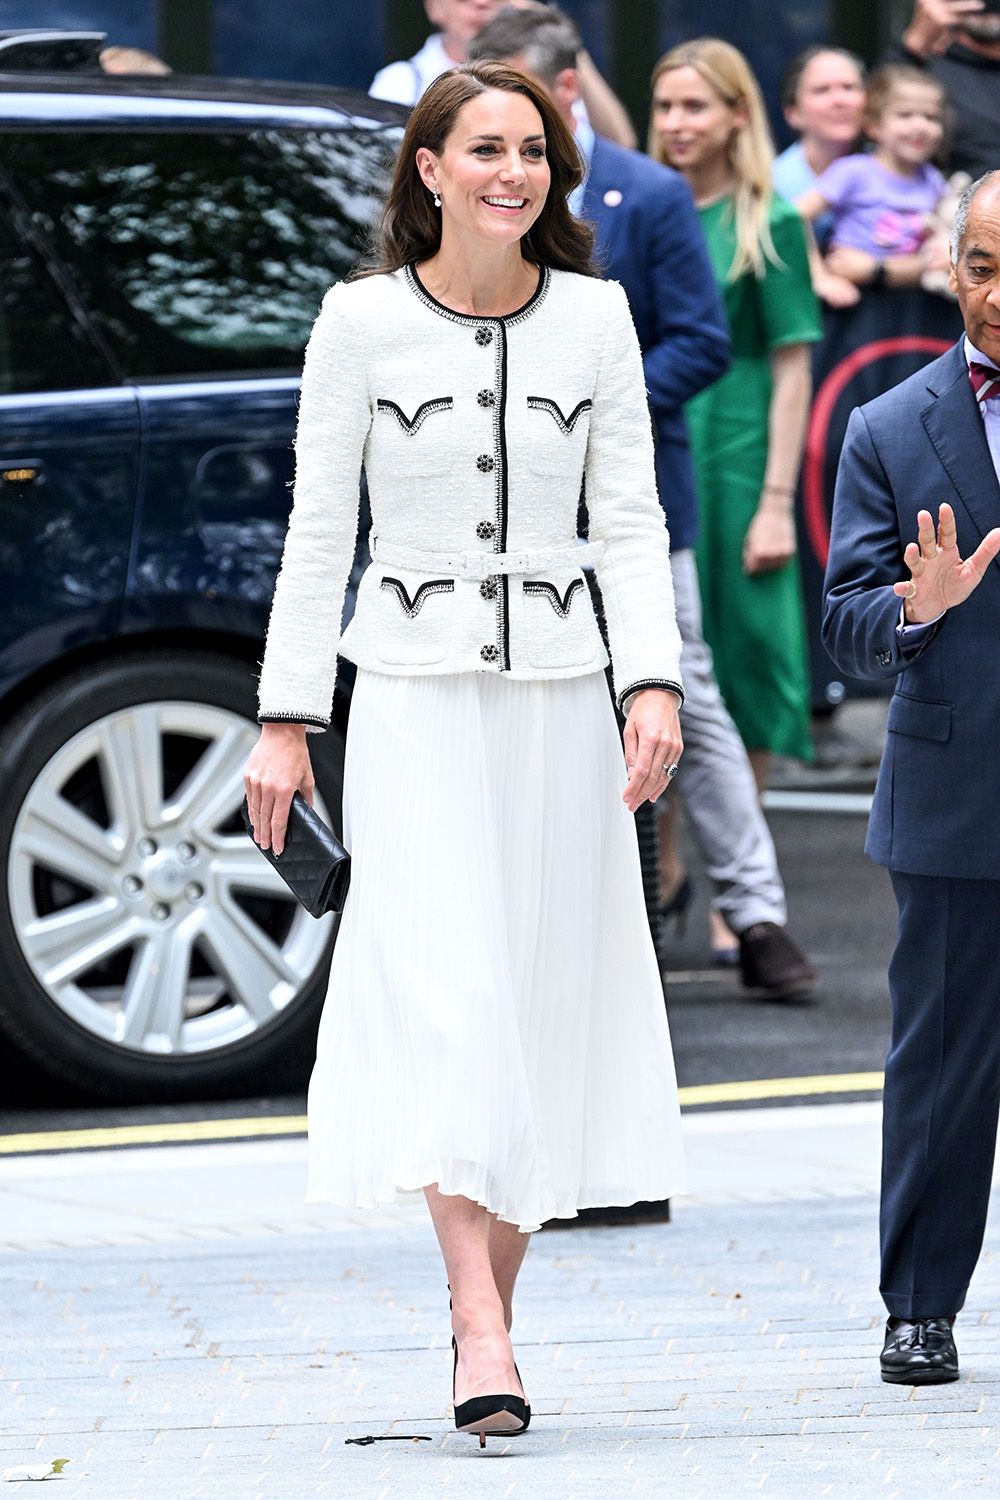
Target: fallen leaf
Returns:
[51, 1470]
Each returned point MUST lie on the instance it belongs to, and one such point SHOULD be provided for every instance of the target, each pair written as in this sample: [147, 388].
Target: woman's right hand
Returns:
[278, 767]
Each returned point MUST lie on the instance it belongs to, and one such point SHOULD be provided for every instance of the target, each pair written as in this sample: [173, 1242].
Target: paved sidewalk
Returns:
[178, 1325]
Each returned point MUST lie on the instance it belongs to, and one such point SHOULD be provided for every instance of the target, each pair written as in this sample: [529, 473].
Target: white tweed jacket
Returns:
[476, 435]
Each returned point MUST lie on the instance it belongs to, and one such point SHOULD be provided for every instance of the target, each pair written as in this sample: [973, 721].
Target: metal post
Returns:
[861, 26]
[634, 35]
[406, 28]
[185, 28]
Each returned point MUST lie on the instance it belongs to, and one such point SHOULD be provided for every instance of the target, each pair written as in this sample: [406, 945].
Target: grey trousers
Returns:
[715, 779]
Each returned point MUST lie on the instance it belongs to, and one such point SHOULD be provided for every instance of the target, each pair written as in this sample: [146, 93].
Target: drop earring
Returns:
[437, 200]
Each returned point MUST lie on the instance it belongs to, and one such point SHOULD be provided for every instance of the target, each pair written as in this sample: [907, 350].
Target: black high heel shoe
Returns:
[490, 1414]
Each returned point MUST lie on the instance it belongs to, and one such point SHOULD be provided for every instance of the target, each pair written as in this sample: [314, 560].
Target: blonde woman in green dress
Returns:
[747, 430]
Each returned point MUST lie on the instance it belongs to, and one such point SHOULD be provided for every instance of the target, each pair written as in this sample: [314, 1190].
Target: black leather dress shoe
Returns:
[771, 962]
[919, 1353]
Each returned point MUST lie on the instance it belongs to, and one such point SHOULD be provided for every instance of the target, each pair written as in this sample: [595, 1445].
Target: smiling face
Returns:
[492, 175]
[976, 274]
[911, 126]
[693, 123]
[829, 101]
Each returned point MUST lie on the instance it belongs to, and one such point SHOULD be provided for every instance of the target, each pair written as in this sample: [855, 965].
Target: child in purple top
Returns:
[883, 204]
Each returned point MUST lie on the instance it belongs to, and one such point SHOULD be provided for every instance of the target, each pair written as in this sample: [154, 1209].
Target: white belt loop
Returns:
[483, 565]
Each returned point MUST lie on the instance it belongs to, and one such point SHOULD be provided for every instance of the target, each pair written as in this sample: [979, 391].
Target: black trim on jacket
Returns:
[411, 607]
[410, 425]
[648, 682]
[551, 593]
[293, 719]
[565, 424]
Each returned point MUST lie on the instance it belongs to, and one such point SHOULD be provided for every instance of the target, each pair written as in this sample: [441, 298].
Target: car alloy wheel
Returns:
[140, 906]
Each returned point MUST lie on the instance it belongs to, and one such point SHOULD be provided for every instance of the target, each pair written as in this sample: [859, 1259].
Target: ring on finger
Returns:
[913, 591]
[670, 772]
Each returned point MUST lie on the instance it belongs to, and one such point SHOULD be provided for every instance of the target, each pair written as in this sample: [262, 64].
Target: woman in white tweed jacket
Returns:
[494, 1036]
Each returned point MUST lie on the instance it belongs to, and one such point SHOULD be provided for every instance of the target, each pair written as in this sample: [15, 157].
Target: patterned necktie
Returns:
[985, 380]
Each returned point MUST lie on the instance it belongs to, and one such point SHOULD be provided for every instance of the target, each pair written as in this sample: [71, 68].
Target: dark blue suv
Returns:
[164, 247]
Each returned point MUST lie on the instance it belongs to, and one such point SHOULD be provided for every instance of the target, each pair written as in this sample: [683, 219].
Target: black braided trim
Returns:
[649, 682]
[293, 719]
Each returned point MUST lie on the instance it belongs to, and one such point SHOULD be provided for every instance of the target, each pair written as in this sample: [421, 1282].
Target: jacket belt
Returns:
[482, 565]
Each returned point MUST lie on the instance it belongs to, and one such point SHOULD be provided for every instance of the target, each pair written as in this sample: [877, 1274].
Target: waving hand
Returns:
[939, 579]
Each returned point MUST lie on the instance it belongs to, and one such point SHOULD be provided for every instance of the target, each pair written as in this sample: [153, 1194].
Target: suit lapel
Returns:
[956, 429]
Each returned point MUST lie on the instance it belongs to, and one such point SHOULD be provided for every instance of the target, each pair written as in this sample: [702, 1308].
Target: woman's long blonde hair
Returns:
[751, 150]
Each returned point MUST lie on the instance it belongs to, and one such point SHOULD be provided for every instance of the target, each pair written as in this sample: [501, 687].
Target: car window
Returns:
[202, 254]
[43, 347]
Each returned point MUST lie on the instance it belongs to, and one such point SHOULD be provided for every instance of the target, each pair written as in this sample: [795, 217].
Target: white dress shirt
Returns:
[405, 82]
[989, 406]
[584, 137]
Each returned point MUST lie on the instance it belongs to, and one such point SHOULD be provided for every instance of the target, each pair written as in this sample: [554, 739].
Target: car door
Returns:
[203, 256]
[69, 456]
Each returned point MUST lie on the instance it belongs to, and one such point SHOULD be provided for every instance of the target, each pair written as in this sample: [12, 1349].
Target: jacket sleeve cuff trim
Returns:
[649, 682]
[293, 719]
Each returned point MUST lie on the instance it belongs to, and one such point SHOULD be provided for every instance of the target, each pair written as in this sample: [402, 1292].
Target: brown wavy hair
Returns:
[410, 229]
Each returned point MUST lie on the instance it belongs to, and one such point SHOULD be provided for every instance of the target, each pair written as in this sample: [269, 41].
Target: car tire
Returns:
[121, 845]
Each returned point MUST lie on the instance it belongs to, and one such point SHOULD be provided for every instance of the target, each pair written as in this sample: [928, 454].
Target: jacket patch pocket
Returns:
[923, 718]
[554, 625]
[413, 624]
[416, 439]
[558, 437]
[561, 604]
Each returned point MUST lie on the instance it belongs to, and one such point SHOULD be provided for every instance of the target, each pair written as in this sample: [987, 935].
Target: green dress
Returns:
[755, 626]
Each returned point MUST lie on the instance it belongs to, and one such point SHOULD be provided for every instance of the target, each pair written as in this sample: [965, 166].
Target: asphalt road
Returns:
[842, 913]
[840, 910]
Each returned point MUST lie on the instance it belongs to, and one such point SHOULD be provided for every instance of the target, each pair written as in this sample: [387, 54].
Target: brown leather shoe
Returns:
[771, 962]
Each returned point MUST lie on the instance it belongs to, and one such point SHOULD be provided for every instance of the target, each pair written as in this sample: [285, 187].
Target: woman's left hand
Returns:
[769, 543]
[653, 742]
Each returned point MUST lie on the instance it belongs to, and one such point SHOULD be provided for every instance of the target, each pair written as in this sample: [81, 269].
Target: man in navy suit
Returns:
[933, 444]
[650, 240]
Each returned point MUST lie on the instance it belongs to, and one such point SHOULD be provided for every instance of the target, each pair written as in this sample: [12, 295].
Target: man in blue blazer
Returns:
[649, 239]
[933, 445]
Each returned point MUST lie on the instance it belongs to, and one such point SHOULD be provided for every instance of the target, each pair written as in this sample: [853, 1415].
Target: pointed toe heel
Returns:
[495, 1416]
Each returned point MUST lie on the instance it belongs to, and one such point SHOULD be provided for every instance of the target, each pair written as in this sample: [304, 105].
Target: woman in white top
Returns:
[494, 1034]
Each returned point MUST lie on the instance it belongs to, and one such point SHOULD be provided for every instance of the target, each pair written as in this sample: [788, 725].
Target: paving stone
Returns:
[729, 1354]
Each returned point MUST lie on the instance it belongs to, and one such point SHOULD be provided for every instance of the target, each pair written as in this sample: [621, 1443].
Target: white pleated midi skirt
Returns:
[495, 1020]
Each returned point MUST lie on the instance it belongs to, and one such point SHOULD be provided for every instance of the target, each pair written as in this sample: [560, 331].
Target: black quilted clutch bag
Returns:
[314, 863]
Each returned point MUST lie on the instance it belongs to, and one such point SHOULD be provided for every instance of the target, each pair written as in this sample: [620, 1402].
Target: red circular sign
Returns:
[814, 506]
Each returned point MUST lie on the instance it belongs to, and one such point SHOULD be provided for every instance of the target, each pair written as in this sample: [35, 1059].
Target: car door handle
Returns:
[19, 471]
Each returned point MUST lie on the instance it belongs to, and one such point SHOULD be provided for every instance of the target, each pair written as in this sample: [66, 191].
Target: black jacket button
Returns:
[490, 653]
[486, 531]
[488, 588]
[484, 336]
[486, 398]
[484, 463]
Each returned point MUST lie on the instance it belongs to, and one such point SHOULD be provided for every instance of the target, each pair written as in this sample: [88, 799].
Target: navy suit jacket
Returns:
[649, 238]
[937, 803]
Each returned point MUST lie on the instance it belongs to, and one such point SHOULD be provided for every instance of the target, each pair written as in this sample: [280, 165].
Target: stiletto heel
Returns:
[489, 1414]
